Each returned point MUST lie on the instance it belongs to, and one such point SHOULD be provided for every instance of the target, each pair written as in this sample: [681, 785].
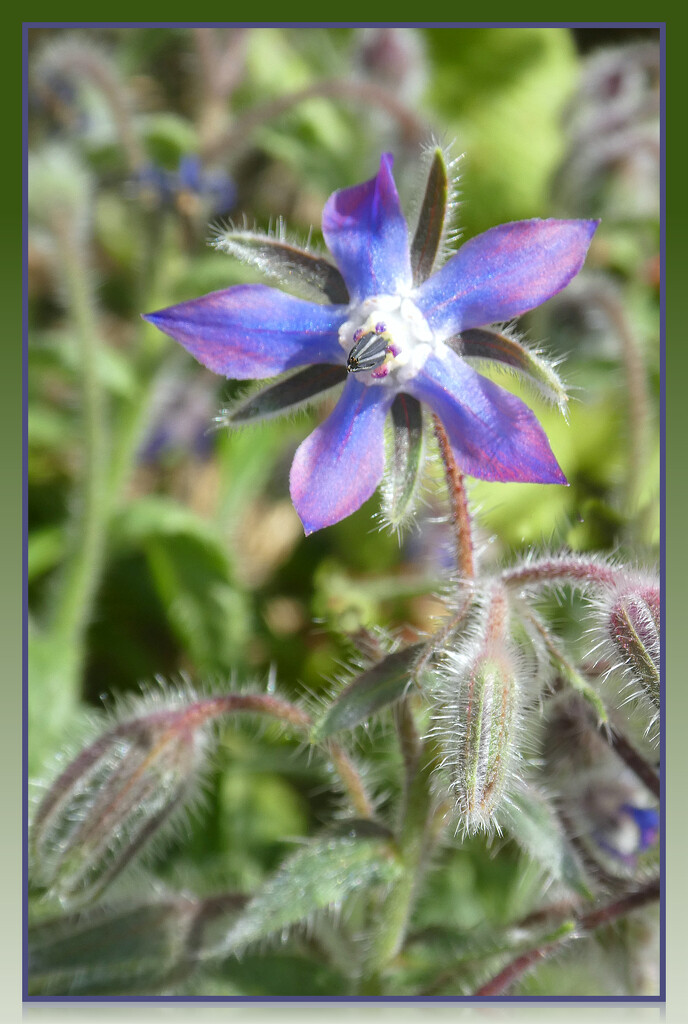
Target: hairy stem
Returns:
[641, 768]
[564, 569]
[459, 504]
[584, 924]
[418, 830]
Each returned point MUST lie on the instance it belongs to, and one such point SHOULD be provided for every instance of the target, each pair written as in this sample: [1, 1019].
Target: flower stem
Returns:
[635, 761]
[565, 569]
[459, 504]
[636, 389]
[418, 830]
[498, 985]
[74, 596]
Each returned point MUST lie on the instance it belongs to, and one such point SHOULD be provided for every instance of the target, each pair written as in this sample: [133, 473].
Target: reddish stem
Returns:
[560, 570]
[459, 503]
[498, 985]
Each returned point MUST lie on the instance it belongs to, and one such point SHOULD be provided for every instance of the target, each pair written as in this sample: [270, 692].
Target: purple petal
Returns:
[253, 331]
[366, 233]
[340, 464]
[504, 272]
[493, 434]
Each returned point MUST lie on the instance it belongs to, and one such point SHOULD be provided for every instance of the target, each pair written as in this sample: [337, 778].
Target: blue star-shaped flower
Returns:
[390, 333]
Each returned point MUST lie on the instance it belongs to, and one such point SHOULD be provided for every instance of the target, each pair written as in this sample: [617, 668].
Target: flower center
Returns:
[386, 339]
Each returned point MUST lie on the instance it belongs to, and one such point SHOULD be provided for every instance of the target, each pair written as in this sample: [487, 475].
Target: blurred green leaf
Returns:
[192, 574]
[533, 823]
[319, 876]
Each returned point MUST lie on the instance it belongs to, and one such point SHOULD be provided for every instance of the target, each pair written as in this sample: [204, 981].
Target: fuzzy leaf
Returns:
[290, 264]
[431, 221]
[286, 394]
[379, 686]
[121, 950]
[109, 952]
[404, 459]
[481, 343]
[533, 823]
[319, 876]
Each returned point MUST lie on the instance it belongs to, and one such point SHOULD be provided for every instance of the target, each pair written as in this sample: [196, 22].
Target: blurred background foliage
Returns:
[193, 561]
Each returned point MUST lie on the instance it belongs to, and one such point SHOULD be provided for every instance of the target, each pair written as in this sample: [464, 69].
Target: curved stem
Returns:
[562, 569]
[586, 923]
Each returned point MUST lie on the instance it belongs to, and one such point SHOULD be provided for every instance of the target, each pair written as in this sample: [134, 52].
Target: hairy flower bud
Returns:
[476, 720]
[115, 796]
[633, 625]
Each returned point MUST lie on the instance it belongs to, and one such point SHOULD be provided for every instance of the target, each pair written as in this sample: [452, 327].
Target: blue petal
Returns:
[252, 331]
[493, 434]
[340, 464]
[366, 233]
[504, 272]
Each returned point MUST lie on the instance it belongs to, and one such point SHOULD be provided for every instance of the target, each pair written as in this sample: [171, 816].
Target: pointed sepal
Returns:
[431, 220]
[312, 275]
[481, 343]
[285, 395]
[404, 460]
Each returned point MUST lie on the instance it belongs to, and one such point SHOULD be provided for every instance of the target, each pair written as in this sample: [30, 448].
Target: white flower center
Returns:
[387, 339]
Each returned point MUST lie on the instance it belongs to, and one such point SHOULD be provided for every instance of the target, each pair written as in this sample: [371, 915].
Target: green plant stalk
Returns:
[74, 596]
[417, 833]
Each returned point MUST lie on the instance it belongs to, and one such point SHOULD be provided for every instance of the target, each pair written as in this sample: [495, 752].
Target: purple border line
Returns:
[662, 500]
[344, 24]
[328, 1000]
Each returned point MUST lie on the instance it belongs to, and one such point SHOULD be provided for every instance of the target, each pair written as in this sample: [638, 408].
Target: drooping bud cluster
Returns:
[476, 718]
[115, 796]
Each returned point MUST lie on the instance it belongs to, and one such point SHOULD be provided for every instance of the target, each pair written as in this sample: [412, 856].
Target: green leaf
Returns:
[291, 264]
[533, 823]
[285, 394]
[192, 574]
[431, 220]
[379, 686]
[121, 950]
[319, 876]
[404, 460]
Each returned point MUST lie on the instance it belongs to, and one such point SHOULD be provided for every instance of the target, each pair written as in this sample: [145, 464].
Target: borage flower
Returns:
[395, 336]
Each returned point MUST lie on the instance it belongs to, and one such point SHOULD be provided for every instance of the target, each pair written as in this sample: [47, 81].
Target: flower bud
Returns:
[115, 796]
[633, 628]
[477, 719]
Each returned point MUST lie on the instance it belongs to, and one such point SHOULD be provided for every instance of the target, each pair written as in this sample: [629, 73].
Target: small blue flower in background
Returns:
[390, 333]
[190, 189]
[634, 830]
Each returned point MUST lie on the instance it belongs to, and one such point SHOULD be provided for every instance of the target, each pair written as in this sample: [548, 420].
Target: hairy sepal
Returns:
[404, 461]
[294, 267]
[288, 394]
[487, 346]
